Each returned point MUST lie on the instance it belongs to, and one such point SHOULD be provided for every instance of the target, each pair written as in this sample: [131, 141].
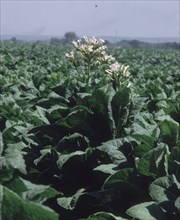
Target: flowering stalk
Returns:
[91, 53]
[119, 74]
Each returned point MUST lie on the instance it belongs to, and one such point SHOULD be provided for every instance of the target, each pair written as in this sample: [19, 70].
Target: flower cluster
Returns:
[70, 56]
[120, 74]
[90, 50]
[91, 53]
[89, 45]
[116, 69]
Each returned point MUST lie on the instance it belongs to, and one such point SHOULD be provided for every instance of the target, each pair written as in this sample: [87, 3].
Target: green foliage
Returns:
[147, 210]
[166, 192]
[76, 145]
[103, 216]
[13, 207]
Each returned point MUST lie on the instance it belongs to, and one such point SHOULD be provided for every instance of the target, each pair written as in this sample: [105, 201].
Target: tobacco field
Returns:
[84, 138]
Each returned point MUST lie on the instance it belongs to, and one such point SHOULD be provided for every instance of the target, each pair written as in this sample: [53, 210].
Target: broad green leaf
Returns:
[13, 159]
[106, 168]
[119, 104]
[43, 152]
[177, 203]
[1, 144]
[120, 176]
[103, 216]
[72, 142]
[82, 95]
[148, 140]
[112, 148]
[166, 192]
[30, 191]
[1, 200]
[175, 154]
[141, 149]
[70, 202]
[19, 146]
[155, 162]
[145, 125]
[13, 207]
[56, 107]
[34, 211]
[42, 114]
[174, 162]
[65, 157]
[79, 119]
[71, 137]
[125, 180]
[6, 175]
[146, 210]
[104, 94]
[80, 108]
[170, 131]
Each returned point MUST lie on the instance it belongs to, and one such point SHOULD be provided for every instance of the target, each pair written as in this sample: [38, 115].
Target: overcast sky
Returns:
[116, 18]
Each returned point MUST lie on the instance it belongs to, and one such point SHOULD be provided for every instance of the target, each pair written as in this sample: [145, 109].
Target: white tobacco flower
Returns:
[109, 58]
[98, 62]
[125, 71]
[75, 43]
[102, 41]
[109, 73]
[90, 48]
[103, 53]
[115, 67]
[82, 47]
[92, 52]
[93, 40]
[103, 47]
[85, 39]
[70, 55]
[129, 84]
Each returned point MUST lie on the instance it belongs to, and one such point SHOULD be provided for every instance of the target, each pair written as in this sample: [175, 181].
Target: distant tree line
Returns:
[136, 44]
[67, 39]
[131, 44]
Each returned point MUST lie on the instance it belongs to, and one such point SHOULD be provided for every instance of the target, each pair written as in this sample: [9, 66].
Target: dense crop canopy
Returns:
[88, 132]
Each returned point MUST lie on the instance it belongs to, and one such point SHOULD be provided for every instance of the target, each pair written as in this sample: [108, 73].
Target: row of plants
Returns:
[88, 135]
